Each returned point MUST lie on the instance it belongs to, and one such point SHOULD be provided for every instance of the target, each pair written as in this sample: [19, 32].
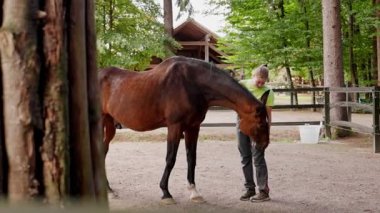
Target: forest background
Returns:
[283, 34]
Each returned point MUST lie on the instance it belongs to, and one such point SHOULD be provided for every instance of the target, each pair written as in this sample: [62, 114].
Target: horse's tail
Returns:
[109, 131]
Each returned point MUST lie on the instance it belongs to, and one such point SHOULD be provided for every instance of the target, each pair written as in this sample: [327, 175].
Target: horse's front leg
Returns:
[173, 139]
[191, 139]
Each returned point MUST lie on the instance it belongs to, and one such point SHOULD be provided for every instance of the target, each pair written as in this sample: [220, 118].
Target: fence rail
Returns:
[373, 107]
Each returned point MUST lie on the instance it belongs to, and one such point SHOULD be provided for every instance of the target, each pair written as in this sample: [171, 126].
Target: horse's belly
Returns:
[141, 123]
[143, 128]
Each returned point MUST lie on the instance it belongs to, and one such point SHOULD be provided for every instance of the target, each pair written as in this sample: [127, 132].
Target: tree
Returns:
[51, 122]
[257, 33]
[168, 17]
[184, 7]
[129, 34]
[377, 50]
[333, 56]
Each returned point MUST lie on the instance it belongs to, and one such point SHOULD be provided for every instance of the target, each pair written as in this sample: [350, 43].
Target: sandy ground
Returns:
[332, 176]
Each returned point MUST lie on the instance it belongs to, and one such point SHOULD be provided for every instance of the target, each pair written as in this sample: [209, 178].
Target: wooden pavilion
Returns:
[197, 42]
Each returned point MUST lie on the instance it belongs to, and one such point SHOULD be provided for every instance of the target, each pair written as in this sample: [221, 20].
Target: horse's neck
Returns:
[233, 97]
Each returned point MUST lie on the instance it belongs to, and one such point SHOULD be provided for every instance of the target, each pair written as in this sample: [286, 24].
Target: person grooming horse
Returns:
[248, 148]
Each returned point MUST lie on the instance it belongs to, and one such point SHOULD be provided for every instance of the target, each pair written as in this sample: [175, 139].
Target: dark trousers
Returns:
[247, 152]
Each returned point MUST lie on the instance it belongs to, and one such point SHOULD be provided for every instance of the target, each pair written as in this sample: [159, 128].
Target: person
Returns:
[247, 149]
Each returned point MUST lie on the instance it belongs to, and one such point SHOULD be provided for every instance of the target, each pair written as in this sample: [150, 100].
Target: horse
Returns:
[177, 94]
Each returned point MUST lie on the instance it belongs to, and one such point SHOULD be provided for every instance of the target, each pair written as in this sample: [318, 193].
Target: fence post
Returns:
[327, 112]
[376, 128]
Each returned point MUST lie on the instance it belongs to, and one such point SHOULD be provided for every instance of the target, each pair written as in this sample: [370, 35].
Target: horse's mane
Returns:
[221, 72]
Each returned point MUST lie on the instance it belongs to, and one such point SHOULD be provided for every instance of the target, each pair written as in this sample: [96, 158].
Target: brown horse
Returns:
[177, 94]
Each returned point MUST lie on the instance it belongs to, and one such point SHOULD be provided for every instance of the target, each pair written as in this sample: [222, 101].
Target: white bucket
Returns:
[310, 133]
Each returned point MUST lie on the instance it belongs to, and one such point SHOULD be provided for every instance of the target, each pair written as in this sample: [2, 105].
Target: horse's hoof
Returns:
[198, 199]
[167, 201]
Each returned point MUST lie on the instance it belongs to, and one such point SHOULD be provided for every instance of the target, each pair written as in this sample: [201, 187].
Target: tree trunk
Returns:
[293, 95]
[55, 143]
[308, 42]
[377, 2]
[80, 149]
[53, 133]
[333, 57]
[374, 61]
[351, 34]
[1, 12]
[22, 118]
[3, 157]
[168, 17]
[94, 109]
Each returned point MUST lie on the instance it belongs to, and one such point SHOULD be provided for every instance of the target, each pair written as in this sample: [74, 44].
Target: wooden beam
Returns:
[207, 48]
[192, 43]
[216, 50]
[359, 127]
[289, 123]
[223, 66]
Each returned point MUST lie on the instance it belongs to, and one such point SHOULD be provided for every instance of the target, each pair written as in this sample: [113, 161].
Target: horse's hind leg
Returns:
[191, 139]
[109, 133]
[174, 137]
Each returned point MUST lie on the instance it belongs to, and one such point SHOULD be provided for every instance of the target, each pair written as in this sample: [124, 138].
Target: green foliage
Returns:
[362, 38]
[185, 7]
[129, 34]
[259, 32]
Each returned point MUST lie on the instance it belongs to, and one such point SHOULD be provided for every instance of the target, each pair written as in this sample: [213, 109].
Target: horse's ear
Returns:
[264, 97]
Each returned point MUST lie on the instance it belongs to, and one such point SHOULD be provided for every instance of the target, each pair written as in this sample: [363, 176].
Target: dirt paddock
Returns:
[333, 176]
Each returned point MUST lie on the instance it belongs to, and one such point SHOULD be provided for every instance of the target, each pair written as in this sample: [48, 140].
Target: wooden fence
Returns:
[373, 106]
[314, 105]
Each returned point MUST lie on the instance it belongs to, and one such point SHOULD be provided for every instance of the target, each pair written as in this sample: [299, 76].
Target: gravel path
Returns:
[337, 176]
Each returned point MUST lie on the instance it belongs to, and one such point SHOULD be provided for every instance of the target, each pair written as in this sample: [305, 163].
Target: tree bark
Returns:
[374, 61]
[55, 142]
[53, 134]
[377, 2]
[293, 95]
[168, 17]
[308, 45]
[20, 70]
[333, 57]
[81, 164]
[1, 12]
[3, 158]
[351, 33]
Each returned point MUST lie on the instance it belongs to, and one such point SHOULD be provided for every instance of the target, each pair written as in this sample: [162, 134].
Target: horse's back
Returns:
[174, 91]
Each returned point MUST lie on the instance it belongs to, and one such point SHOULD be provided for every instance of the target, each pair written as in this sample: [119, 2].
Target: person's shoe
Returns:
[248, 194]
[261, 197]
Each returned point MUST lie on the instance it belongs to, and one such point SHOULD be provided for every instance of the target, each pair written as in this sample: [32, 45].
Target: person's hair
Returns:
[261, 72]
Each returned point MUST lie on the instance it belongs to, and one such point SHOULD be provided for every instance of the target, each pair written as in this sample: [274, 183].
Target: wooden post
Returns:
[207, 48]
[376, 128]
[327, 112]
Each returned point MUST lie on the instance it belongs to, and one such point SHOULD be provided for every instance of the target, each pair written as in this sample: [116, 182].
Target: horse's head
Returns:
[255, 124]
